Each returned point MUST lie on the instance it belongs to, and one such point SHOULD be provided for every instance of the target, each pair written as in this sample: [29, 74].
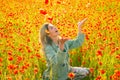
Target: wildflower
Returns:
[83, 63]
[9, 52]
[9, 78]
[102, 71]
[87, 37]
[29, 51]
[38, 55]
[35, 70]
[19, 58]
[1, 59]
[24, 67]
[10, 58]
[91, 70]
[71, 75]
[11, 14]
[22, 70]
[15, 71]
[111, 77]
[50, 18]
[98, 78]
[42, 11]
[58, 2]
[10, 67]
[46, 1]
[99, 53]
[118, 56]
[100, 63]
[0, 71]
[118, 73]
[28, 40]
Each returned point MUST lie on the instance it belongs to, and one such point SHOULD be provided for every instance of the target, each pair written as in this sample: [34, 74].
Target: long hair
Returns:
[44, 38]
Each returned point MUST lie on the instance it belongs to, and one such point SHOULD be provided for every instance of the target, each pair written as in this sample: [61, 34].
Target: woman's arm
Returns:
[80, 25]
[80, 37]
[76, 42]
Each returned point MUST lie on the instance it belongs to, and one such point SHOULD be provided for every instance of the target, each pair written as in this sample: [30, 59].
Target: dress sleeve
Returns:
[54, 57]
[76, 42]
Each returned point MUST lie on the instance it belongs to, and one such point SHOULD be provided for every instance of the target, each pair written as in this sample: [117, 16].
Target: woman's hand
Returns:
[80, 24]
[62, 42]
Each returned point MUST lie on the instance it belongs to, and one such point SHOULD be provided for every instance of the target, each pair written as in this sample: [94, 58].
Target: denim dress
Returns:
[58, 61]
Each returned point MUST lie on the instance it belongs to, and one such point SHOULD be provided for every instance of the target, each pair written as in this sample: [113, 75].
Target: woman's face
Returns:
[53, 31]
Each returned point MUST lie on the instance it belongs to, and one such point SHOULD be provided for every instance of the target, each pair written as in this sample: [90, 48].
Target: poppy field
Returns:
[21, 56]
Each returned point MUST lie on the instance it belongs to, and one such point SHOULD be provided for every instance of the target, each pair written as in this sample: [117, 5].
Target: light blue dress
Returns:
[58, 61]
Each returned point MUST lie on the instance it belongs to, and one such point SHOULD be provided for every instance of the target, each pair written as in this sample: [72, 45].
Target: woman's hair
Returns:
[44, 38]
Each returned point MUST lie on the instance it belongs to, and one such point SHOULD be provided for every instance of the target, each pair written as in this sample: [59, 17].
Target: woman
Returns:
[56, 52]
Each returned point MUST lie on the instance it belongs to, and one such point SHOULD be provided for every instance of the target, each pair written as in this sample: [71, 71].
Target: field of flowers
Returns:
[21, 57]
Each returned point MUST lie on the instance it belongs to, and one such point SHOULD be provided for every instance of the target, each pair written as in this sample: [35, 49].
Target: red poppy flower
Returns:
[46, 1]
[35, 70]
[99, 53]
[50, 19]
[98, 78]
[91, 70]
[42, 11]
[15, 71]
[0, 72]
[1, 59]
[71, 75]
[10, 58]
[102, 71]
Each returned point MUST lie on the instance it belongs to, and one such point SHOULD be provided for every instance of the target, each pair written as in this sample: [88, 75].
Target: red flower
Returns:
[29, 51]
[9, 78]
[19, 58]
[99, 53]
[9, 52]
[0, 72]
[98, 78]
[91, 70]
[50, 19]
[35, 70]
[118, 73]
[58, 2]
[11, 14]
[1, 59]
[111, 77]
[38, 55]
[100, 63]
[87, 37]
[11, 66]
[22, 70]
[42, 11]
[24, 67]
[102, 71]
[28, 40]
[46, 1]
[118, 56]
[10, 58]
[15, 71]
[71, 75]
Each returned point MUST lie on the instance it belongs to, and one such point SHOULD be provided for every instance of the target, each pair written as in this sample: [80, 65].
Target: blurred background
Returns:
[21, 56]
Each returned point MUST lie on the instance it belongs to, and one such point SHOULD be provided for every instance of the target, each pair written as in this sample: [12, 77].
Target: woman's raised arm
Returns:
[80, 37]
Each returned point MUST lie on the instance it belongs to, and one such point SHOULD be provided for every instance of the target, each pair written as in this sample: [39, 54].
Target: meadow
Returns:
[21, 56]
